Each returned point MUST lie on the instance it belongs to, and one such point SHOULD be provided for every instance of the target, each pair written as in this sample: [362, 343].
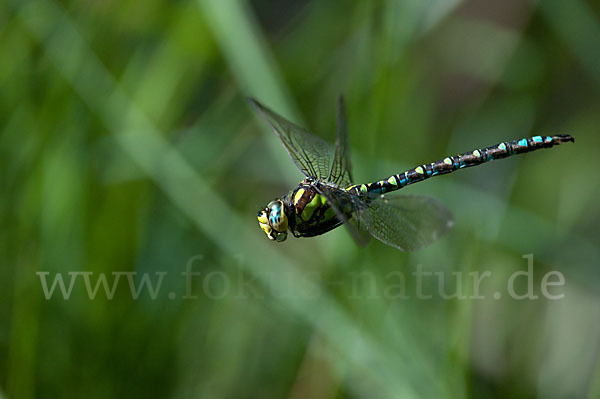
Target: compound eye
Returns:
[277, 216]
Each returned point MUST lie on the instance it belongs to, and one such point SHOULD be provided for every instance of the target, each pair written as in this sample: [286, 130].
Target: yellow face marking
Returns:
[476, 153]
[392, 181]
[363, 188]
[263, 222]
[419, 170]
[448, 161]
[267, 229]
[262, 218]
[298, 195]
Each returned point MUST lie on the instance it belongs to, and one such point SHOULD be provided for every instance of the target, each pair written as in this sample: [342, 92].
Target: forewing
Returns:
[406, 222]
[341, 168]
[310, 153]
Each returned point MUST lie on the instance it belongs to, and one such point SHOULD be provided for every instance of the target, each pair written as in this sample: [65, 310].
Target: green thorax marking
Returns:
[310, 212]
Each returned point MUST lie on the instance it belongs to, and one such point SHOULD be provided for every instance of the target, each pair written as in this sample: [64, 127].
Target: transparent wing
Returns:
[310, 153]
[341, 169]
[406, 222]
[344, 205]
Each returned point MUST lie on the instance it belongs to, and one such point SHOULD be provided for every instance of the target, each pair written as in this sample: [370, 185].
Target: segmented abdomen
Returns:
[452, 163]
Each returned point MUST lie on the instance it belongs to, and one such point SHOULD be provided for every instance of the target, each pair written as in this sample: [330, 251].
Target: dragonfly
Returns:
[328, 198]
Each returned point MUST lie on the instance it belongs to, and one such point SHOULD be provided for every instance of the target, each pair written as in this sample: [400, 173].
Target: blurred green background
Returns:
[127, 145]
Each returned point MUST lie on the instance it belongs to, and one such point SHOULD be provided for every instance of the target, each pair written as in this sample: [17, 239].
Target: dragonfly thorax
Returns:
[310, 213]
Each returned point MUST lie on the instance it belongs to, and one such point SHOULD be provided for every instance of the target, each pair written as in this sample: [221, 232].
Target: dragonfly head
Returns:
[273, 220]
